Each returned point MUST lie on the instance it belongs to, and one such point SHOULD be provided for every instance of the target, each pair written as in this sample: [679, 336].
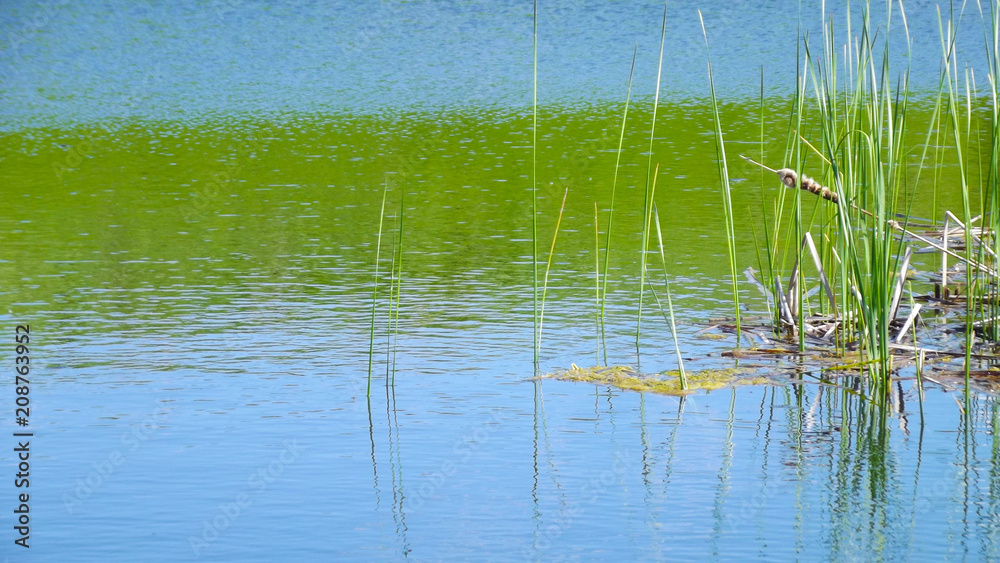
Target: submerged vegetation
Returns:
[669, 383]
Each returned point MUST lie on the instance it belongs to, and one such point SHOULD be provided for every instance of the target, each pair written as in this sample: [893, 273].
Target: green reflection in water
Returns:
[293, 205]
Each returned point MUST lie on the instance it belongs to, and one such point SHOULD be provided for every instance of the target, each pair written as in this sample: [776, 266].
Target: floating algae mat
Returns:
[668, 383]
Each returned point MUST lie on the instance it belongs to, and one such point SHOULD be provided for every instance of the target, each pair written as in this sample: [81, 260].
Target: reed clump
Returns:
[861, 245]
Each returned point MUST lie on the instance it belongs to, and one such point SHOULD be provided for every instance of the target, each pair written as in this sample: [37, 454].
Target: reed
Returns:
[611, 210]
[663, 261]
[798, 279]
[948, 38]
[392, 291]
[992, 209]
[534, 183]
[862, 130]
[597, 285]
[865, 156]
[548, 268]
[727, 203]
[670, 303]
[378, 249]
[649, 168]
[766, 268]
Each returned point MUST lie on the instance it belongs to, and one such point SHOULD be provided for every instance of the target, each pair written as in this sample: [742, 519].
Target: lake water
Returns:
[190, 230]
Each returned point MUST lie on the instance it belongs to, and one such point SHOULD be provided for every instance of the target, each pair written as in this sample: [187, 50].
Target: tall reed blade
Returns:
[534, 183]
[649, 168]
[670, 304]
[378, 248]
[611, 212]
[993, 185]
[948, 47]
[548, 268]
[727, 204]
[392, 293]
[597, 283]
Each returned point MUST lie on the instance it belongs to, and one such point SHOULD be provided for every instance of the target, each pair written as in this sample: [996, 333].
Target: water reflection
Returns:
[847, 480]
[392, 449]
[723, 489]
[396, 467]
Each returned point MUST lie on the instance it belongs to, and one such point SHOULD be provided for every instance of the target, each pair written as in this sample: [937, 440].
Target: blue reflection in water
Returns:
[75, 61]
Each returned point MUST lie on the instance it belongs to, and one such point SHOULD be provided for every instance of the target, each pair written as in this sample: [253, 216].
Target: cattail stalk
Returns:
[790, 178]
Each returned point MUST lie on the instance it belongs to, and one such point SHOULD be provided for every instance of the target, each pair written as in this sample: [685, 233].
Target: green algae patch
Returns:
[713, 336]
[667, 383]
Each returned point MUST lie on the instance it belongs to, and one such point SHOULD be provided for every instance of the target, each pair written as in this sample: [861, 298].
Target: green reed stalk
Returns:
[597, 283]
[986, 293]
[727, 203]
[767, 275]
[670, 304]
[649, 168]
[799, 281]
[378, 249]
[993, 182]
[863, 146]
[975, 295]
[875, 287]
[392, 289]
[947, 44]
[534, 182]
[938, 152]
[828, 84]
[548, 267]
[611, 211]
